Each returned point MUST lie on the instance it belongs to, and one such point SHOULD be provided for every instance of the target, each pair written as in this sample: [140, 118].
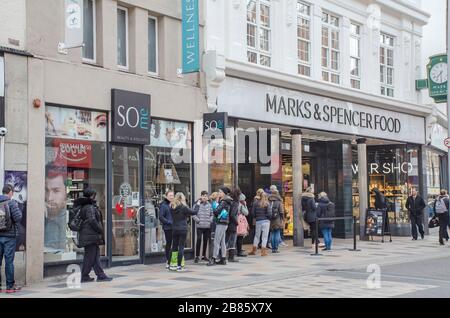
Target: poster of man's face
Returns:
[55, 194]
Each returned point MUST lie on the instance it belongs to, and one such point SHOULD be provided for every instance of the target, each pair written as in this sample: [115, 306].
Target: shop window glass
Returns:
[221, 159]
[75, 158]
[167, 166]
[394, 171]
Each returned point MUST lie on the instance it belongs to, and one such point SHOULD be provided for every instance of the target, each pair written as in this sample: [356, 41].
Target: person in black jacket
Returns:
[180, 214]
[91, 236]
[415, 205]
[8, 238]
[380, 200]
[309, 213]
[231, 234]
[165, 217]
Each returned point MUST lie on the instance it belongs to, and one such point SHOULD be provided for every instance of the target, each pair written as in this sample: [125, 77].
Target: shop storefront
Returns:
[144, 158]
[329, 154]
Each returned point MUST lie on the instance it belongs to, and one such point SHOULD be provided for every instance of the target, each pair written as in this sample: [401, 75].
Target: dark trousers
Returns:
[443, 223]
[178, 242]
[8, 250]
[202, 235]
[92, 260]
[416, 222]
[314, 236]
[239, 243]
[168, 247]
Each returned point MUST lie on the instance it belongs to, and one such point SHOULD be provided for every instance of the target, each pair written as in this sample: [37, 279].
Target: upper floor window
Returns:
[259, 32]
[330, 48]
[89, 30]
[152, 45]
[355, 56]
[122, 37]
[304, 38]
[387, 65]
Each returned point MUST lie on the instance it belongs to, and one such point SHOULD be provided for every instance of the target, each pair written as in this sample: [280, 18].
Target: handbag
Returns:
[434, 222]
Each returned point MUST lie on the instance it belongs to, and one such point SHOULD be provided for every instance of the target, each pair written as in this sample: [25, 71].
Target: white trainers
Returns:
[181, 269]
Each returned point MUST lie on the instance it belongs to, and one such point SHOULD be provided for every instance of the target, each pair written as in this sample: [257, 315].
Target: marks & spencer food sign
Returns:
[259, 102]
[130, 117]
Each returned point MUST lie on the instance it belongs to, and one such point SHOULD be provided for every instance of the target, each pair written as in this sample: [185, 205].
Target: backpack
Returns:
[275, 211]
[223, 215]
[242, 228]
[5, 217]
[330, 211]
[75, 219]
[440, 206]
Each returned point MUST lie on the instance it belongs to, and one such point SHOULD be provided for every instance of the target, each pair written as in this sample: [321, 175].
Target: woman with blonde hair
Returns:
[180, 215]
[262, 213]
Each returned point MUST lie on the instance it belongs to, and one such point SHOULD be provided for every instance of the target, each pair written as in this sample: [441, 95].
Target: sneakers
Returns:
[211, 262]
[196, 260]
[104, 279]
[283, 244]
[222, 261]
[181, 269]
[13, 290]
[205, 259]
[167, 266]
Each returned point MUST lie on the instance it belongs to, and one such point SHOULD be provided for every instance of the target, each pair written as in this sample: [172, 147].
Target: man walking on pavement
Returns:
[10, 217]
[415, 205]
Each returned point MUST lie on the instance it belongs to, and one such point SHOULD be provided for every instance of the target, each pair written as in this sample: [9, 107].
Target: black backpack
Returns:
[5, 217]
[275, 210]
[330, 211]
[75, 219]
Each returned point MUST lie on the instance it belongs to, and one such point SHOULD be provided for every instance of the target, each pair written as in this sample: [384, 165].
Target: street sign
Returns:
[447, 142]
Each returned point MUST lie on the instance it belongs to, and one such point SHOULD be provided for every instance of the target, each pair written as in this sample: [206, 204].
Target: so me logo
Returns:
[133, 117]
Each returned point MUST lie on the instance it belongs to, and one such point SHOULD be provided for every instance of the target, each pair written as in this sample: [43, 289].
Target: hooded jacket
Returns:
[92, 227]
[204, 216]
[309, 207]
[323, 205]
[277, 205]
[233, 221]
[16, 217]
[180, 216]
[165, 216]
[224, 204]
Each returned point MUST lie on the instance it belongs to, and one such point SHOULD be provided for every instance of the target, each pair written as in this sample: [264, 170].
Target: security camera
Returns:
[3, 131]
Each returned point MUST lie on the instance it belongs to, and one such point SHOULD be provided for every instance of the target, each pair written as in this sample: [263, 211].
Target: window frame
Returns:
[127, 41]
[156, 73]
[258, 27]
[330, 27]
[384, 86]
[357, 37]
[300, 63]
[94, 31]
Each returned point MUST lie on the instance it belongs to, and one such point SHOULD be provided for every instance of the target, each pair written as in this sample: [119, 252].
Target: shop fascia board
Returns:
[442, 119]
[276, 78]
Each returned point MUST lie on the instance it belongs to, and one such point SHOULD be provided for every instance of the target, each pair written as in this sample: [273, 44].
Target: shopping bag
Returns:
[434, 222]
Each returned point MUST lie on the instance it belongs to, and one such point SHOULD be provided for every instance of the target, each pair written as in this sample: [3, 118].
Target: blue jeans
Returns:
[8, 249]
[327, 238]
[276, 239]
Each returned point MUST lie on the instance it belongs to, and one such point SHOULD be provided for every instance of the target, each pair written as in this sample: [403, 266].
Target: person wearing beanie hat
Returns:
[242, 223]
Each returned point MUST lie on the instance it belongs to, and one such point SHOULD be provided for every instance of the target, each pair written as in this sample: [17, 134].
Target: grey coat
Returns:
[204, 216]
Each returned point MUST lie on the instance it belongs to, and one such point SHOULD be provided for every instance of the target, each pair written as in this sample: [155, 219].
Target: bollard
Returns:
[317, 240]
[354, 236]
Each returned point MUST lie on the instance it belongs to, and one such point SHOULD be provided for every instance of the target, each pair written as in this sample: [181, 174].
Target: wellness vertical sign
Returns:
[190, 36]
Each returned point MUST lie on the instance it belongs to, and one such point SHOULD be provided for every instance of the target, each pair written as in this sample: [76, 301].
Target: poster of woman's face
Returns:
[75, 123]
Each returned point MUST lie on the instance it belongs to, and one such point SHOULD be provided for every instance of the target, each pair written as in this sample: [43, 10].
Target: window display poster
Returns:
[75, 123]
[170, 134]
[18, 179]
[72, 153]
